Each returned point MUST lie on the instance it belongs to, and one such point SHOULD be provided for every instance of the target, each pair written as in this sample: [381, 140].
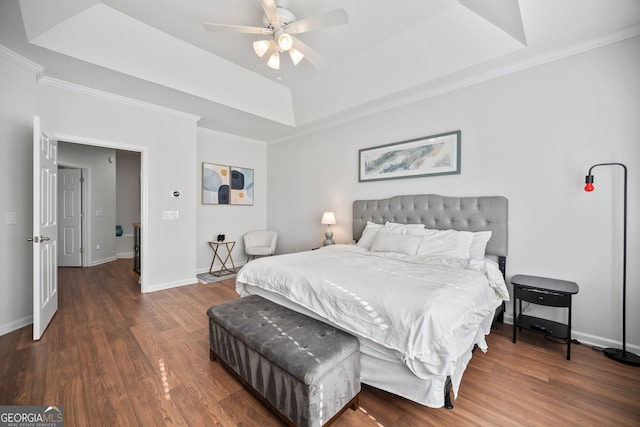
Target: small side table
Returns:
[224, 270]
[543, 291]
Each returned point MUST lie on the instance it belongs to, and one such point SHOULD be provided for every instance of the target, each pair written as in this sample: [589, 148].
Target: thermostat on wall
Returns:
[175, 193]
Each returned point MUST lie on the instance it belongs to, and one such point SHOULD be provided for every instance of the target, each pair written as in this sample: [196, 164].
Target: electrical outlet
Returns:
[97, 247]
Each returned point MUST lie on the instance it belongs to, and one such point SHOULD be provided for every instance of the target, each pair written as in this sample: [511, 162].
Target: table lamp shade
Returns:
[328, 218]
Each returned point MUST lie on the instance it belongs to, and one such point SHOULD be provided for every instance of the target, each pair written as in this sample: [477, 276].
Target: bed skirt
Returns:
[382, 369]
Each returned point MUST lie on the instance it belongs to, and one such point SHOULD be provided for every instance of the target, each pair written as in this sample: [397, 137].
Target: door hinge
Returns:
[81, 214]
[81, 179]
[81, 250]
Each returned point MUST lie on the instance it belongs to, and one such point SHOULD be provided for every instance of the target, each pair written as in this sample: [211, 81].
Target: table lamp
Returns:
[328, 218]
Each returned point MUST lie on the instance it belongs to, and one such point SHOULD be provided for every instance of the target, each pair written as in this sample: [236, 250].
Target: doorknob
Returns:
[37, 239]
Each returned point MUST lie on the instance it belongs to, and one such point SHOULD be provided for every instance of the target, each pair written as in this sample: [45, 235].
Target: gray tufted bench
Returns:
[306, 371]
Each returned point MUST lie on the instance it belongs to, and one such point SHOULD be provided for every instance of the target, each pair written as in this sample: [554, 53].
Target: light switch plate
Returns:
[170, 214]
[12, 218]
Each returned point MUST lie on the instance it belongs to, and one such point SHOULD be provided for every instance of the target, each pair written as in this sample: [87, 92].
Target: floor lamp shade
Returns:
[619, 355]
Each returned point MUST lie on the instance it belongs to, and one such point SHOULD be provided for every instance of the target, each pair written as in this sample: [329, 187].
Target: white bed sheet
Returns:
[424, 314]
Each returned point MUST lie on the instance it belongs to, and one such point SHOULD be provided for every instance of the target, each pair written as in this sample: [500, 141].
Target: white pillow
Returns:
[406, 244]
[369, 234]
[479, 244]
[444, 243]
[394, 227]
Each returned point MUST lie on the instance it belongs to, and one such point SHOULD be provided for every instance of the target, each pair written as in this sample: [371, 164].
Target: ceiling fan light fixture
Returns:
[285, 41]
[296, 56]
[282, 27]
[260, 47]
[274, 61]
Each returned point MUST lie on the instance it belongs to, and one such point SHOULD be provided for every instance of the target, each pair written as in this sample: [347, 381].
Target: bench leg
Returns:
[355, 403]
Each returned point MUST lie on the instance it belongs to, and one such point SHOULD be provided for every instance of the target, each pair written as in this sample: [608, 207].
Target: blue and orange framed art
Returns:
[227, 185]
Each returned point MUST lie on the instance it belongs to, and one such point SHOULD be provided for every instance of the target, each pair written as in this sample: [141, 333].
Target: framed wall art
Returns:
[427, 156]
[241, 186]
[226, 185]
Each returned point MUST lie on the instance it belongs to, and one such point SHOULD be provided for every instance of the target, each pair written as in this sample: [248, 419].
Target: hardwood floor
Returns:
[115, 357]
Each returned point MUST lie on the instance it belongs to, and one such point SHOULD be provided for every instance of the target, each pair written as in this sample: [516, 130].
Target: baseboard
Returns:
[102, 261]
[206, 269]
[588, 339]
[125, 255]
[178, 283]
[169, 285]
[601, 342]
[15, 325]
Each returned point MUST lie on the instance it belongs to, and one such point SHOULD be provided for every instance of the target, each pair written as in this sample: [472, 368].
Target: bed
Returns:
[420, 289]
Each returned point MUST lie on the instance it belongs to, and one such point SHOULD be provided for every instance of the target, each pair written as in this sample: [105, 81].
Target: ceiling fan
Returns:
[281, 24]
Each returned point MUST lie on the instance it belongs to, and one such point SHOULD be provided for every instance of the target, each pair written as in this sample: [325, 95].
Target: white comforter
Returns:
[429, 311]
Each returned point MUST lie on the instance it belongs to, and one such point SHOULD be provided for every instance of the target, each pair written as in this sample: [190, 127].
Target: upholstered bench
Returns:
[306, 371]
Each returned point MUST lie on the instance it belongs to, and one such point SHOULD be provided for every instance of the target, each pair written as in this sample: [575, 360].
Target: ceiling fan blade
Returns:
[237, 29]
[329, 19]
[310, 54]
[270, 9]
[262, 63]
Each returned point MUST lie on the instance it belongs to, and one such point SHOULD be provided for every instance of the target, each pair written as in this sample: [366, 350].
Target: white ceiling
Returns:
[389, 53]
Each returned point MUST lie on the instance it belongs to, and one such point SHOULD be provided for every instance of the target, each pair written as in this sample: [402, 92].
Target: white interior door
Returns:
[45, 230]
[69, 218]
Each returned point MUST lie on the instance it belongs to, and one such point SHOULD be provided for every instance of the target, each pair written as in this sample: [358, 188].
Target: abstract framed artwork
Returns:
[241, 186]
[226, 185]
[427, 156]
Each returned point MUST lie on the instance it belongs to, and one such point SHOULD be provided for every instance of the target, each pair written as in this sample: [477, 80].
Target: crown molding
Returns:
[214, 132]
[62, 84]
[16, 58]
[417, 95]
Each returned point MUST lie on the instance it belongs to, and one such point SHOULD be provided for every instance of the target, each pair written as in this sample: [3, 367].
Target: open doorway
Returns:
[46, 155]
[102, 186]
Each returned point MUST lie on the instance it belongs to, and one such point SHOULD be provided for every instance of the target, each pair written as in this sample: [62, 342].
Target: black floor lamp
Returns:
[619, 355]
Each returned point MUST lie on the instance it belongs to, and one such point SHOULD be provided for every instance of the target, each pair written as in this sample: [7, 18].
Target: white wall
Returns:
[231, 220]
[17, 105]
[530, 136]
[100, 189]
[167, 141]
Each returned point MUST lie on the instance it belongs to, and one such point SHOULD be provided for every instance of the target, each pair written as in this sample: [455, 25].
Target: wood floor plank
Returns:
[114, 356]
[243, 411]
[197, 407]
[68, 385]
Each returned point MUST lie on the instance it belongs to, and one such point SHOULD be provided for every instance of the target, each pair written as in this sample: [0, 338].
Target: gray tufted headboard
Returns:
[439, 212]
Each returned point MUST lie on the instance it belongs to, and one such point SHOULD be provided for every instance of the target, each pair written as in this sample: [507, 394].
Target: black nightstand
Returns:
[543, 291]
